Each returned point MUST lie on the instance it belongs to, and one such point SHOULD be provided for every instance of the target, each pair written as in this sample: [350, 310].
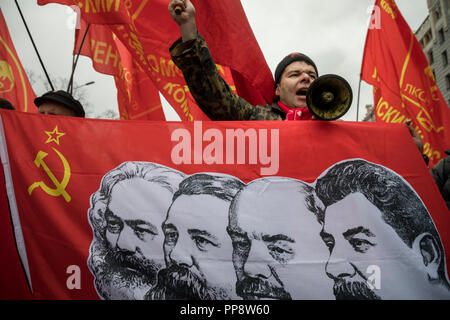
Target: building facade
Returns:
[370, 114]
[434, 37]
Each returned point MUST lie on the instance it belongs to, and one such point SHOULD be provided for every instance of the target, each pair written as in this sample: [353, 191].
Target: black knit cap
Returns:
[64, 98]
[296, 56]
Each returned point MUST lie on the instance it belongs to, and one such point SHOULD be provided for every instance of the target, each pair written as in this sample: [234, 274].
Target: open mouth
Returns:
[301, 92]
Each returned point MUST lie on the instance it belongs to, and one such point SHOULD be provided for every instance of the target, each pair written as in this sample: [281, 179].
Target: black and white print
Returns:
[126, 214]
[161, 234]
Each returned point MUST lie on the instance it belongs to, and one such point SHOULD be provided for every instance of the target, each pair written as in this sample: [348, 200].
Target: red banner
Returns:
[147, 30]
[14, 84]
[137, 97]
[91, 222]
[404, 84]
[13, 281]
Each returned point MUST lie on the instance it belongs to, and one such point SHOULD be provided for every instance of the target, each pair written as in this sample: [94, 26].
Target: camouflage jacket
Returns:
[441, 175]
[210, 91]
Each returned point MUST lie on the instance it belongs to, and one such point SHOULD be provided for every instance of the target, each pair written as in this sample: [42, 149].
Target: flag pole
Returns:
[74, 64]
[34, 45]
[359, 91]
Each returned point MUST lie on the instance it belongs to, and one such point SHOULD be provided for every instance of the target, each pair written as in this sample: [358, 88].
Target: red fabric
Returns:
[14, 84]
[395, 64]
[295, 113]
[147, 30]
[138, 93]
[12, 278]
[57, 233]
[236, 46]
[137, 97]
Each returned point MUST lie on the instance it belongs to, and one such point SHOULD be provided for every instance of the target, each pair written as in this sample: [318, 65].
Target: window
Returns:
[437, 13]
[444, 58]
[447, 80]
[441, 36]
[430, 57]
[427, 38]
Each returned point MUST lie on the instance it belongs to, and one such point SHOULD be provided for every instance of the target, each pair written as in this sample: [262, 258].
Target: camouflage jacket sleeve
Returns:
[210, 91]
[441, 175]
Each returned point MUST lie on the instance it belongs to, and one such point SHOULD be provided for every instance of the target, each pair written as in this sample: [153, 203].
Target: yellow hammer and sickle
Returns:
[60, 186]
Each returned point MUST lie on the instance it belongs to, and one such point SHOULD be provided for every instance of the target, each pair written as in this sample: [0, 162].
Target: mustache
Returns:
[353, 290]
[131, 266]
[179, 283]
[251, 288]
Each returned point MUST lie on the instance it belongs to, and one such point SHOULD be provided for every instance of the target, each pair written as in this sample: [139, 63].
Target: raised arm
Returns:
[192, 56]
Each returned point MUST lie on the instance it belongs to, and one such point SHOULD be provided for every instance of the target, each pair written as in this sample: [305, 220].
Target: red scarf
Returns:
[295, 113]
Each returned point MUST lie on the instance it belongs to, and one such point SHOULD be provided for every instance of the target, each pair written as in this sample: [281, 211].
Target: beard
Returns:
[121, 276]
[356, 290]
[180, 283]
[251, 288]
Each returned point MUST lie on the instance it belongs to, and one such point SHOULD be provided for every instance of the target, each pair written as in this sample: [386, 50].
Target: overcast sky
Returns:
[331, 32]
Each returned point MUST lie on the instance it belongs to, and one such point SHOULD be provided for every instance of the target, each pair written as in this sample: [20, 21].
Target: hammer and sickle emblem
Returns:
[6, 77]
[60, 187]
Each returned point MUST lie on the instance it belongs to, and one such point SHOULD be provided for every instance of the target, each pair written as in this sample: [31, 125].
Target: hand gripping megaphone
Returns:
[329, 97]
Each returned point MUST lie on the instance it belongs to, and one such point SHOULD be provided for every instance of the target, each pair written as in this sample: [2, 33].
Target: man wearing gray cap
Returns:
[293, 76]
[59, 103]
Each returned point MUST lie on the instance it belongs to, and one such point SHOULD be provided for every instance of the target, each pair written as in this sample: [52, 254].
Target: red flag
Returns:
[404, 85]
[147, 29]
[110, 56]
[14, 84]
[242, 54]
[166, 77]
[13, 279]
[136, 95]
[57, 169]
